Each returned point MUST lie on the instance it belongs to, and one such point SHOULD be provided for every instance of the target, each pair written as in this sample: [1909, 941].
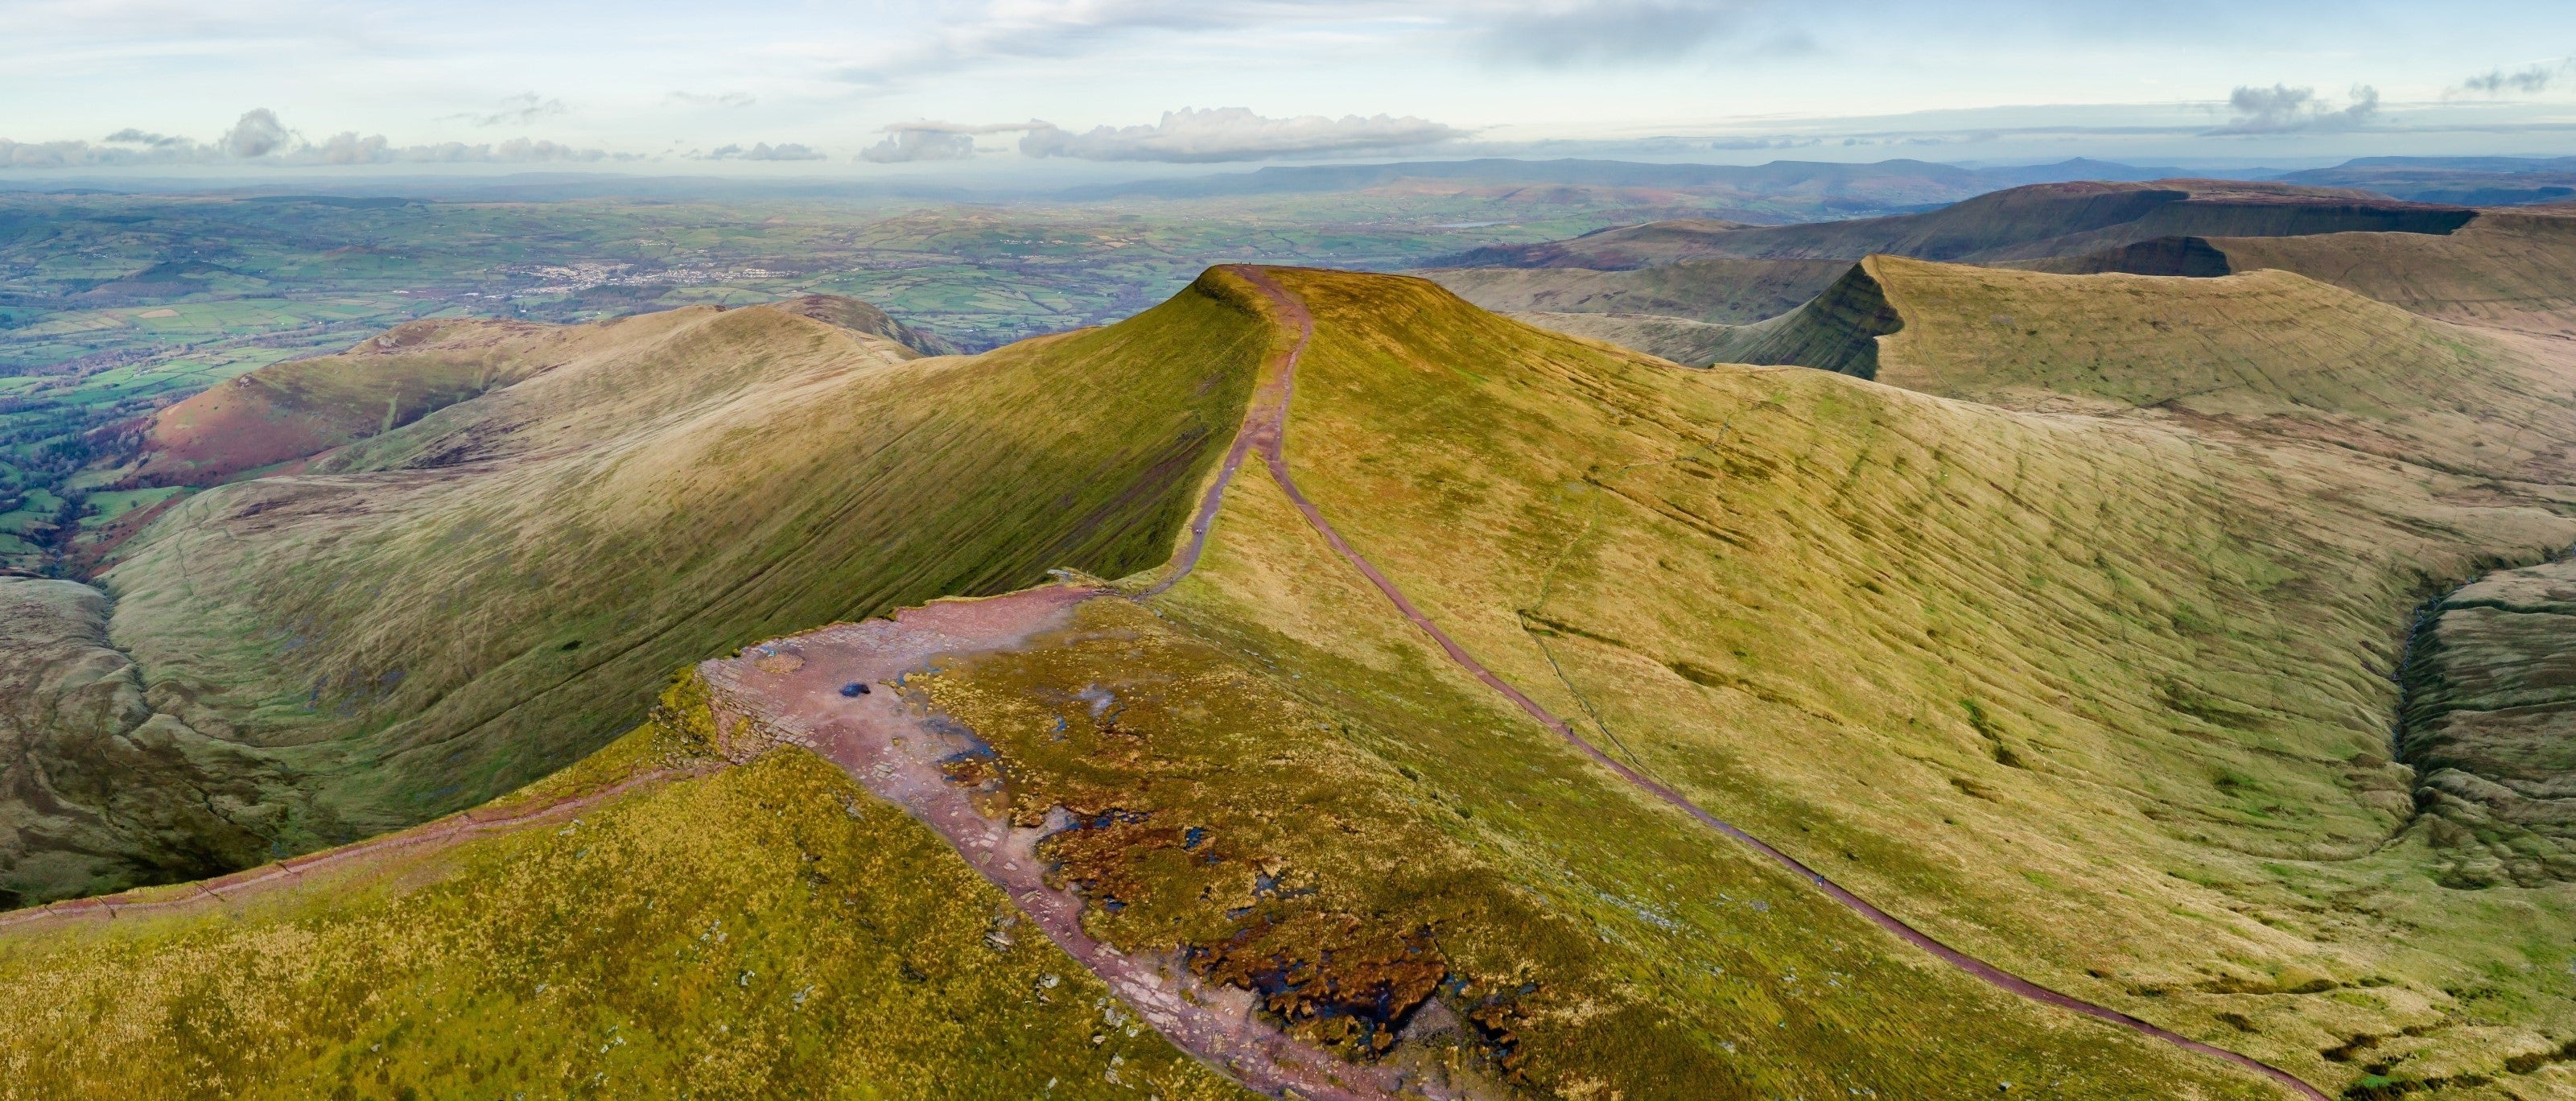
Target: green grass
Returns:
[1376, 828]
[403, 635]
[1987, 668]
[770, 930]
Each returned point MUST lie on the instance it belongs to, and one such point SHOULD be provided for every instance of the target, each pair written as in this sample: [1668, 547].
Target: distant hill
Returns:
[2039, 220]
[2467, 181]
[2306, 359]
[2512, 269]
[1780, 191]
[301, 408]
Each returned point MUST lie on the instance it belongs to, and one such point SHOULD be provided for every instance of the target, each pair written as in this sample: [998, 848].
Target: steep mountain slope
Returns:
[1400, 867]
[438, 613]
[2020, 223]
[2094, 691]
[2102, 699]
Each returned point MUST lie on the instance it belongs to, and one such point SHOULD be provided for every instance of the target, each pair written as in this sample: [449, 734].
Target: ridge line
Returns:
[1271, 441]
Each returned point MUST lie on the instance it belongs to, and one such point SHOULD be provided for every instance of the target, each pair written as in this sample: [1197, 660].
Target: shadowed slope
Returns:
[446, 610]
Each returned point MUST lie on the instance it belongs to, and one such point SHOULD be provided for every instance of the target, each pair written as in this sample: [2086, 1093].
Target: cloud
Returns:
[257, 134]
[1190, 136]
[938, 141]
[347, 147]
[132, 136]
[920, 145]
[763, 151]
[715, 99]
[518, 110]
[1601, 31]
[260, 136]
[2281, 109]
[2496, 83]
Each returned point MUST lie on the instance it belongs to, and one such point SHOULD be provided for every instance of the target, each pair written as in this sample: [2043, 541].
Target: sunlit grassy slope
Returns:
[2096, 688]
[2267, 350]
[2105, 699]
[767, 931]
[2508, 269]
[1382, 850]
[441, 612]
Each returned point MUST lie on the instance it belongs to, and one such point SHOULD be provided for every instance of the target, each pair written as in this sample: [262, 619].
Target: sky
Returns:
[1034, 88]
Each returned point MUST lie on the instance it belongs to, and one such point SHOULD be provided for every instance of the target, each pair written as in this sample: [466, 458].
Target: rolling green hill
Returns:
[437, 613]
[2069, 641]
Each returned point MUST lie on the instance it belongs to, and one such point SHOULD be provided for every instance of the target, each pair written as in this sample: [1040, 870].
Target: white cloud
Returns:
[1236, 134]
[2281, 109]
[258, 134]
[920, 145]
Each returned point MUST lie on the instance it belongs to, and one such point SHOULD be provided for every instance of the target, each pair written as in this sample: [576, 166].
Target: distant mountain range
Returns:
[1828, 189]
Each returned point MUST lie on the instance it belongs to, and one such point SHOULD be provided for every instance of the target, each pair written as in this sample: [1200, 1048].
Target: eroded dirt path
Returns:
[1269, 439]
[791, 691]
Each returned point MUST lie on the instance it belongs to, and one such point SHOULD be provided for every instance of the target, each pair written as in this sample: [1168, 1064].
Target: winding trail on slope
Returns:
[1267, 434]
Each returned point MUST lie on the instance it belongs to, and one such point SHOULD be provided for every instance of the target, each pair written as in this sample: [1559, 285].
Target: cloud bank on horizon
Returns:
[132, 84]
